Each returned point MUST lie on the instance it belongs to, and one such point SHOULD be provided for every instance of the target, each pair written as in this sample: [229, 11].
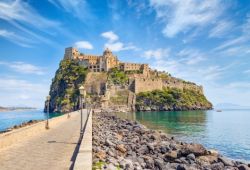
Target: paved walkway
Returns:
[48, 149]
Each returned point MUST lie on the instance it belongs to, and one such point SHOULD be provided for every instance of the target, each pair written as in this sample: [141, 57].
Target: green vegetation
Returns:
[133, 72]
[117, 77]
[173, 98]
[100, 164]
[64, 89]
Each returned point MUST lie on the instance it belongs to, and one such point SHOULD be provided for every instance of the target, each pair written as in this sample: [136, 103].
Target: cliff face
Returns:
[172, 99]
[64, 88]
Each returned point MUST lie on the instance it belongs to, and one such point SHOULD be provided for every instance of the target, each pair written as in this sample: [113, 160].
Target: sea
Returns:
[227, 131]
[10, 118]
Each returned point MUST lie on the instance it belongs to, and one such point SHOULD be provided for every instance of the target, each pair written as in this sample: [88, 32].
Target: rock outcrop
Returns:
[64, 88]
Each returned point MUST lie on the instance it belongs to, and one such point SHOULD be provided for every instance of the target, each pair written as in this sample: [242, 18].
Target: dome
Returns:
[107, 51]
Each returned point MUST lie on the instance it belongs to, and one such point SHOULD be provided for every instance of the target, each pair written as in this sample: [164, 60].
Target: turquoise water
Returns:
[11, 118]
[227, 131]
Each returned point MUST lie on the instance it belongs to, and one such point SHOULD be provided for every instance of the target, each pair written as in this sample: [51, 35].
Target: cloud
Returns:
[24, 18]
[18, 92]
[13, 37]
[110, 35]
[24, 68]
[78, 8]
[221, 29]
[115, 45]
[231, 42]
[83, 45]
[119, 46]
[247, 72]
[157, 54]
[237, 42]
[181, 16]
[191, 56]
[20, 11]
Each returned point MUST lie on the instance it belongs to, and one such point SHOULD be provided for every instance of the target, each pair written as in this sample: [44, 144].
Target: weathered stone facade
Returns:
[103, 62]
[147, 84]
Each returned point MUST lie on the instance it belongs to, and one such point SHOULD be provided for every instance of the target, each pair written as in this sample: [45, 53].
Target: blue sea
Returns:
[227, 131]
[11, 118]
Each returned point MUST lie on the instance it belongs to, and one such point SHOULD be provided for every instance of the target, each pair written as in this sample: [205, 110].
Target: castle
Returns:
[144, 79]
[104, 62]
[141, 78]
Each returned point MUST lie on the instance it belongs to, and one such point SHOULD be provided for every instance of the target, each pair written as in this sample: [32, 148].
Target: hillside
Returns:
[64, 88]
[172, 99]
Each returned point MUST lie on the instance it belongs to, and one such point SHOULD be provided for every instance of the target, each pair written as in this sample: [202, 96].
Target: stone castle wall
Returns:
[180, 84]
[147, 84]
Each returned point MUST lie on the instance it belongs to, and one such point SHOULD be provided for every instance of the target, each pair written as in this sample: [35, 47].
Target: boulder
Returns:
[121, 148]
[111, 167]
[243, 167]
[101, 155]
[196, 149]
[191, 156]
[159, 163]
[109, 143]
[217, 166]
[181, 167]
[226, 161]
[172, 155]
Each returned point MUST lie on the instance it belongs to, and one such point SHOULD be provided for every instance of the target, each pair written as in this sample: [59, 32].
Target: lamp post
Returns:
[68, 111]
[82, 96]
[47, 121]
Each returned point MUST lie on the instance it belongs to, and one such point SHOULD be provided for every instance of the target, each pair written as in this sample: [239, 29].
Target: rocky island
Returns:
[113, 83]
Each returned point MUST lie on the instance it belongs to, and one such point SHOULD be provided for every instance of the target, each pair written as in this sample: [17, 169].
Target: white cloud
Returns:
[247, 72]
[114, 44]
[191, 56]
[13, 37]
[157, 54]
[221, 29]
[24, 18]
[78, 8]
[181, 16]
[119, 46]
[110, 35]
[24, 68]
[17, 10]
[83, 45]
[231, 42]
[17, 92]
[237, 43]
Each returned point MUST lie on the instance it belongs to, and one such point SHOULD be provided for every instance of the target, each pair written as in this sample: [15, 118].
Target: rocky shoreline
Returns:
[142, 108]
[125, 144]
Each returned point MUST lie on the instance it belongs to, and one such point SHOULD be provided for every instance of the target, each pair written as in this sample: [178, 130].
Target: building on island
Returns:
[104, 62]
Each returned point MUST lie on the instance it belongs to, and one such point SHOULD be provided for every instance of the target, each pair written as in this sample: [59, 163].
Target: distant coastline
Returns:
[7, 109]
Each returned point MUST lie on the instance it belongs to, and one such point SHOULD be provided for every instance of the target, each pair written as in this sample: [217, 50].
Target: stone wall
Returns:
[95, 83]
[147, 84]
[181, 84]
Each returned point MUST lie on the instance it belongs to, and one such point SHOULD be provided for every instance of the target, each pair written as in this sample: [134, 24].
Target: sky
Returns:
[206, 42]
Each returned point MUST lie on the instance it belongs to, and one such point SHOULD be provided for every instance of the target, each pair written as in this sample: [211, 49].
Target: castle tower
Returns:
[71, 53]
[110, 61]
